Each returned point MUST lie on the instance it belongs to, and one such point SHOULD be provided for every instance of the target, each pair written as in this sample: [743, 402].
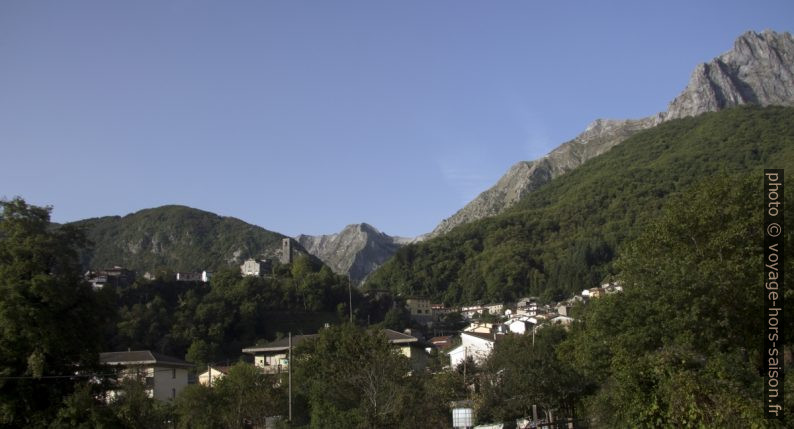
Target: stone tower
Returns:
[286, 251]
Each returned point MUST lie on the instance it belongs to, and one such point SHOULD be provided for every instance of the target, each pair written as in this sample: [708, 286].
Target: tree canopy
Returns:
[50, 320]
[565, 236]
[680, 347]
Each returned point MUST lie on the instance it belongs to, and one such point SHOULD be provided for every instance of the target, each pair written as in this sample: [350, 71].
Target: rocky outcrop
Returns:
[758, 70]
[356, 251]
[526, 176]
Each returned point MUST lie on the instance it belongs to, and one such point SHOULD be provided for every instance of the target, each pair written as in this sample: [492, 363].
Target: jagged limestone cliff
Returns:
[758, 70]
[357, 250]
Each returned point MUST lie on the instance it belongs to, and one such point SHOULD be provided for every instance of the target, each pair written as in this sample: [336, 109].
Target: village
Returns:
[478, 331]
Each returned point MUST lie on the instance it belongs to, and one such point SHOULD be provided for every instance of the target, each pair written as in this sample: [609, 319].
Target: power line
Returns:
[84, 375]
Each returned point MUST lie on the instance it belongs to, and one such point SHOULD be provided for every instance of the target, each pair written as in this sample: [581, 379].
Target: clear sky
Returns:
[306, 116]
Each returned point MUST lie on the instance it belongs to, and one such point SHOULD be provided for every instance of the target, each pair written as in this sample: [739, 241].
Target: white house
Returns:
[421, 310]
[212, 375]
[562, 320]
[480, 327]
[525, 302]
[163, 376]
[495, 309]
[255, 268]
[520, 326]
[476, 345]
[272, 357]
[469, 312]
[203, 276]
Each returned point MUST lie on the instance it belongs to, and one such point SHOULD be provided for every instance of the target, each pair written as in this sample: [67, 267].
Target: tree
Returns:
[248, 395]
[522, 372]
[199, 407]
[367, 376]
[133, 408]
[244, 397]
[50, 319]
[680, 346]
[84, 410]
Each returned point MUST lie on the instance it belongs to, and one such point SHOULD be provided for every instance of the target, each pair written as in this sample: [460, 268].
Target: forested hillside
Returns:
[564, 237]
[214, 322]
[175, 238]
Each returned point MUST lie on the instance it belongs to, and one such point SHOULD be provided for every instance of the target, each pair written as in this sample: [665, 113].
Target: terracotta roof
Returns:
[141, 357]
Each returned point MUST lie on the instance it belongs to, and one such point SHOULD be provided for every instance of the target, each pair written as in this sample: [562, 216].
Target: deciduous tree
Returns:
[50, 319]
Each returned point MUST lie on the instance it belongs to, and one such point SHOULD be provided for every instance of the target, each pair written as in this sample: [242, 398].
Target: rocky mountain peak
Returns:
[355, 251]
[758, 70]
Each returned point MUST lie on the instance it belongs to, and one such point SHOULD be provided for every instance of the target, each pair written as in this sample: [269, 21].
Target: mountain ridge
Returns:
[356, 250]
[564, 237]
[758, 70]
[176, 238]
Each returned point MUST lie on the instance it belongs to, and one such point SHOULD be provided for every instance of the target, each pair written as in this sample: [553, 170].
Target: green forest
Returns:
[173, 238]
[674, 214]
[565, 236]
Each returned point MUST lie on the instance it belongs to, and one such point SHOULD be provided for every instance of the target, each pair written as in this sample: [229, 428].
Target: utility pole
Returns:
[289, 375]
[465, 386]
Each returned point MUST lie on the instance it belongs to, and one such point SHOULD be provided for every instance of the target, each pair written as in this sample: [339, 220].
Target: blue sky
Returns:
[306, 116]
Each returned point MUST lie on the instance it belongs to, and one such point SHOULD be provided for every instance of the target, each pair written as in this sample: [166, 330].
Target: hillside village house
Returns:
[525, 302]
[563, 309]
[212, 375]
[470, 311]
[203, 276]
[421, 310]
[272, 357]
[495, 309]
[562, 320]
[521, 326]
[480, 327]
[443, 342]
[439, 310]
[116, 276]
[255, 268]
[475, 345]
[163, 376]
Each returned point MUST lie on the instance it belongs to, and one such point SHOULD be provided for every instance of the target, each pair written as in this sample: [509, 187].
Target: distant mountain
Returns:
[758, 70]
[356, 251]
[176, 238]
[564, 237]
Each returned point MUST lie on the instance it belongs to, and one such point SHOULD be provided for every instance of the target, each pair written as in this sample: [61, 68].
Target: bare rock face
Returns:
[526, 176]
[758, 70]
[356, 251]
